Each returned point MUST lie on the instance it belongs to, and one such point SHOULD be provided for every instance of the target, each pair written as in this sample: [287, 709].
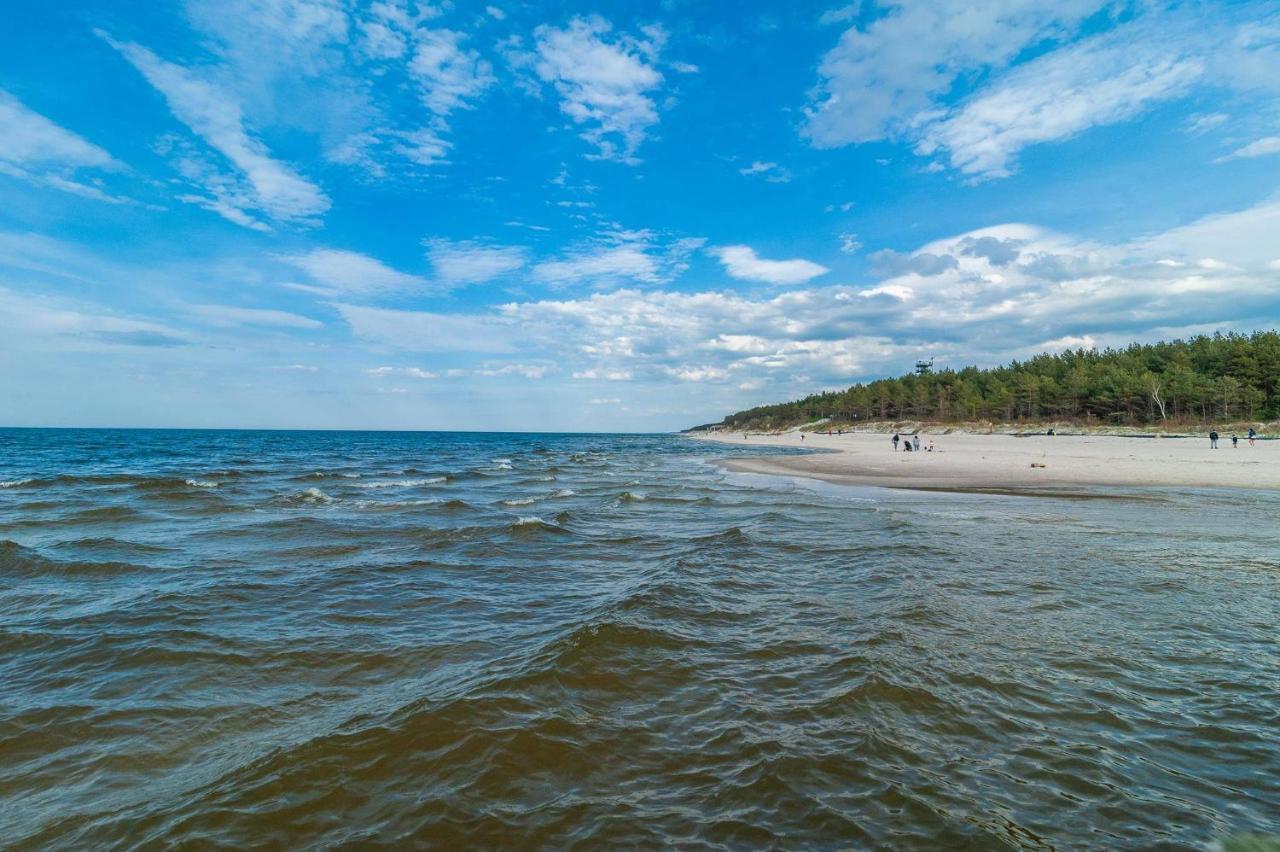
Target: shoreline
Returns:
[1030, 465]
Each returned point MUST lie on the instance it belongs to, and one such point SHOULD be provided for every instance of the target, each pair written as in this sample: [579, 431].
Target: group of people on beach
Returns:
[911, 443]
[1235, 439]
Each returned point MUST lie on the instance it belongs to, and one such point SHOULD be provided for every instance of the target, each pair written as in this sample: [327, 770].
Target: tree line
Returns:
[1205, 379]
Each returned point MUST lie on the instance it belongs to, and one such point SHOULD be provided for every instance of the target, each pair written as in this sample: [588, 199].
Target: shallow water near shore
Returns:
[542, 640]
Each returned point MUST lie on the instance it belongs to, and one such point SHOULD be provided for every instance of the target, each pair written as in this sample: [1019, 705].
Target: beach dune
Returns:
[1010, 462]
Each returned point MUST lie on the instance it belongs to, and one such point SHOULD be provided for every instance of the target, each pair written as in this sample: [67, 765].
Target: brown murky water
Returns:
[532, 641]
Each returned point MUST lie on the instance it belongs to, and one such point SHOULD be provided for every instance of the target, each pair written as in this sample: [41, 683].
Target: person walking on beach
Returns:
[1213, 440]
[915, 442]
[1252, 434]
[1235, 441]
[896, 439]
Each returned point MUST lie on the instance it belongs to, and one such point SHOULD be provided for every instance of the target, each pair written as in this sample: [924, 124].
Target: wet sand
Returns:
[973, 462]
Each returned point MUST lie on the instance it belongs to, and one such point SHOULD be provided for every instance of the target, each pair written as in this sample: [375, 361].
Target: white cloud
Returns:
[605, 81]
[1258, 148]
[450, 76]
[29, 139]
[268, 185]
[423, 146]
[742, 262]
[605, 375]
[849, 243]
[468, 262]
[263, 38]
[997, 251]
[877, 79]
[686, 373]
[635, 256]
[336, 68]
[840, 14]
[771, 172]
[1069, 342]
[420, 331]
[225, 315]
[1204, 122]
[528, 371]
[406, 372]
[938, 74]
[35, 149]
[626, 261]
[339, 272]
[51, 323]
[1043, 290]
[1100, 81]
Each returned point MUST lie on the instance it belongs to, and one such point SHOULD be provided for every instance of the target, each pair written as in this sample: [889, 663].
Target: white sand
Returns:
[964, 461]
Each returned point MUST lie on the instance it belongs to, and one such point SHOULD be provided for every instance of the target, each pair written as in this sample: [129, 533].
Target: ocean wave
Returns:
[565, 492]
[25, 561]
[103, 514]
[16, 483]
[403, 483]
[502, 464]
[310, 495]
[532, 523]
[519, 501]
[202, 483]
[396, 504]
[110, 544]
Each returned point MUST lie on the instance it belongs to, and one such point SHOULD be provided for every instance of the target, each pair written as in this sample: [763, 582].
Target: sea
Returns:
[525, 641]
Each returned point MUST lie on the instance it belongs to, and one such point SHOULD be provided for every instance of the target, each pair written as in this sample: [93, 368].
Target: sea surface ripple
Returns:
[528, 641]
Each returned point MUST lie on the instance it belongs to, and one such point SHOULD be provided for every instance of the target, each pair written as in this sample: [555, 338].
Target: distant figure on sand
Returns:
[930, 448]
[1235, 441]
[915, 442]
[906, 446]
[1213, 440]
[896, 439]
[1252, 434]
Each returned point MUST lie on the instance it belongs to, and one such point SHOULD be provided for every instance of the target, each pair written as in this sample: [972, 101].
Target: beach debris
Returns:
[1038, 464]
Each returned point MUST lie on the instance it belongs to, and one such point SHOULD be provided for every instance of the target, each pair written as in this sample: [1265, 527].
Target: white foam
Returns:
[395, 504]
[522, 501]
[402, 483]
[13, 483]
[565, 492]
[315, 495]
[526, 520]
[202, 483]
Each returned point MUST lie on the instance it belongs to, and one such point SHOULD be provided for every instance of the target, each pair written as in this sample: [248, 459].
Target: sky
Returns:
[610, 216]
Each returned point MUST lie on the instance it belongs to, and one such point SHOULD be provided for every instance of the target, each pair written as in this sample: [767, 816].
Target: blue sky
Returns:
[614, 216]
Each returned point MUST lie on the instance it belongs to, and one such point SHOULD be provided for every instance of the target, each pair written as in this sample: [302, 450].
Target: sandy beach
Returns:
[1021, 463]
